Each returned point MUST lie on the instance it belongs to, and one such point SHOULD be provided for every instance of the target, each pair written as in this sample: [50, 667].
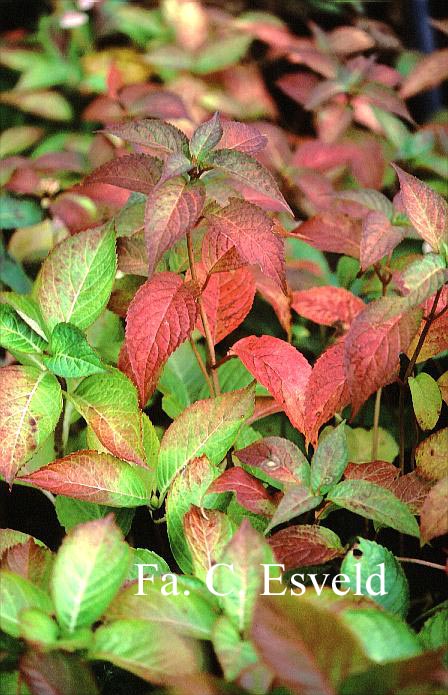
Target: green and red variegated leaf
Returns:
[206, 532]
[135, 172]
[278, 458]
[250, 493]
[153, 134]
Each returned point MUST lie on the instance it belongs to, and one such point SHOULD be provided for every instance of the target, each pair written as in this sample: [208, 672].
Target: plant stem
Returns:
[425, 563]
[205, 323]
[376, 422]
[202, 367]
[410, 368]
[58, 432]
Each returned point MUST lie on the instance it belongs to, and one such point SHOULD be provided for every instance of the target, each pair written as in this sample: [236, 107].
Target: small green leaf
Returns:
[426, 399]
[72, 355]
[38, 627]
[28, 310]
[18, 212]
[89, 568]
[206, 137]
[71, 512]
[16, 594]
[146, 557]
[368, 556]
[221, 54]
[374, 502]
[234, 653]
[330, 460]
[434, 633]
[296, 500]
[15, 334]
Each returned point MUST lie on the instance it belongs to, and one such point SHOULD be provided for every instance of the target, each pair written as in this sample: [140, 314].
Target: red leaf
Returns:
[434, 519]
[426, 209]
[430, 71]
[298, 85]
[327, 390]
[161, 316]
[227, 300]
[241, 136]
[331, 232]
[279, 458]
[250, 493]
[249, 230]
[327, 305]
[206, 532]
[373, 346]
[172, 209]
[280, 368]
[380, 472]
[135, 172]
[304, 546]
[219, 253]
[151, 133]
[379, 238]
[410, 489]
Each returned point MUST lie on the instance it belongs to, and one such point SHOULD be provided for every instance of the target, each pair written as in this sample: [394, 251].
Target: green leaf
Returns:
[420, 281]
[28, 310]
[434, 633]
[191, 611]
[187, 489]
[89, 568]
[148, 650]
[296, 500]
[18, 212]
[330, 460]
[207, 427]
[234, 653]
[131, 217]
[426, 399]
[146, 557]
[16, 594]
[29, 411]
[359, 441]
[44, 103]
[106, 336]
[109, 404]
[72, 355]
[18, 139]
[374, 502]
[76, 279]
[247, 551]
[72, 512]
[181, 381]
[368, 556]
[206, 137]
[385, 637]
[37, 627]
[15, 334]
[221, 54]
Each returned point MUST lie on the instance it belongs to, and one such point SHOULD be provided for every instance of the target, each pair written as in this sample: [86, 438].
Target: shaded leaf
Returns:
[56, 672]
[329, 461]
[331, 232]
[431, 456]
[71, 512]
[305, 546]
[18, 212]
[374, 502]
[380, 472]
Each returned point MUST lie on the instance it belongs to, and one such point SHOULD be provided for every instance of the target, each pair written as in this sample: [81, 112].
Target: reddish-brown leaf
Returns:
[219, 254]
[373, 346]
[333, 232]
[280, 368]
[327, 305]
[250, 493]
[171, 210]
[206, 532]
[132, 254]
[249, 230]
[436, 340]
[227, 300]
[327, 391]
[30, 560]
[426, 209]
[135, 172]
[161, 316]
[304, 546]
[379, 238]
[430, 71]
[380, 472]
[410, 489]
[279, 458]
[278, 300]
[241, 136]
[434, 519]
[152, 133]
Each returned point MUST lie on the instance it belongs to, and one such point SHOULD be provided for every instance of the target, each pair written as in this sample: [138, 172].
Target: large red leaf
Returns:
[250, 493]
[379, 238]
[280, 368]
[327, 391]
[241, 136]
[373, 346]
[426, 209]
[227, 299]
[249, 230]
[160, 317]
[135, 172]
[327, 305]
[172, 209]
[305, 546]
[333, 232]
